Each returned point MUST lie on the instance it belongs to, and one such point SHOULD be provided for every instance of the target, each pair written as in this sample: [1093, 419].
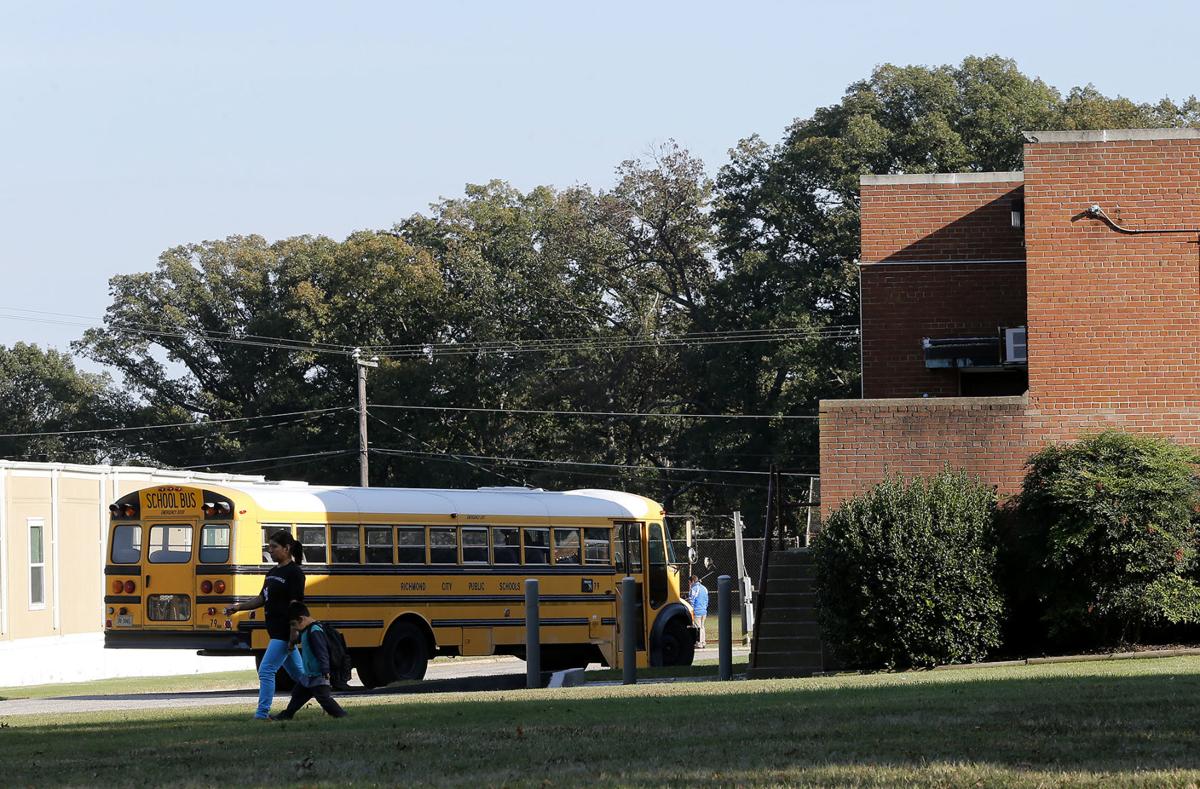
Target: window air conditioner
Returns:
[1015, 346]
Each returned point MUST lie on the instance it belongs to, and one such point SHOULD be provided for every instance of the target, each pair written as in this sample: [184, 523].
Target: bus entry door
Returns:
[631, 565]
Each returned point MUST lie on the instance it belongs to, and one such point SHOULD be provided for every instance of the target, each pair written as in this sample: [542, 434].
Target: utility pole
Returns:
[362, 365]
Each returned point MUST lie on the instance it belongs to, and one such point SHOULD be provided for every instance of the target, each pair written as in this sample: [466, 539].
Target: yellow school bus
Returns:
[405, 574]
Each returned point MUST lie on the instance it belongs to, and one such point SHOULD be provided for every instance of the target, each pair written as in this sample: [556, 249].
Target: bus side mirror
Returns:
[693, 557]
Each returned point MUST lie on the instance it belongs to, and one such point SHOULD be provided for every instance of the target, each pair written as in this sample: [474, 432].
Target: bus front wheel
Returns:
[404, 654]
[677, 649]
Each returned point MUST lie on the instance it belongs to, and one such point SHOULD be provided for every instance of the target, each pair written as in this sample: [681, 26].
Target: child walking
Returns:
[314, 681]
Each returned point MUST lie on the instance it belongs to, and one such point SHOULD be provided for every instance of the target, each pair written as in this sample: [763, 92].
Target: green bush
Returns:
[905, 574]
[1112, 515]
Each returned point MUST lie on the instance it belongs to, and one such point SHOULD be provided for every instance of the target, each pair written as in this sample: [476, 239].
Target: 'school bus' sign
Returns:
[169, 500]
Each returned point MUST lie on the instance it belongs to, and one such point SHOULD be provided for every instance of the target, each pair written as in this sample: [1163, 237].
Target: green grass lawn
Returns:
[1115, 723]
[225, 680]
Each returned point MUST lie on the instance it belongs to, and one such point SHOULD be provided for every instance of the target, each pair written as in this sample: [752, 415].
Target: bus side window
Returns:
[475, 545]
[618, 538]
[443, 545]
[379, 544]
[596, 545]
[506, 545]
[537, 546]
[345, 545]
[566, 546]
[313, 539]
[410, 544]
[270, 528]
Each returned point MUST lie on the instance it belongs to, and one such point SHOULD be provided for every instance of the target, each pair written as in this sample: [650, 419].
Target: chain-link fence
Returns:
[723, 553]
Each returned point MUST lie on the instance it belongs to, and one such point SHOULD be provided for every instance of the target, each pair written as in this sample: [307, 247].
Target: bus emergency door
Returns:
[169, 574]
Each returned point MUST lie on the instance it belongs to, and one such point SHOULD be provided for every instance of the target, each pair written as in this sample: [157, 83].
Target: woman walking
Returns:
[283, 585]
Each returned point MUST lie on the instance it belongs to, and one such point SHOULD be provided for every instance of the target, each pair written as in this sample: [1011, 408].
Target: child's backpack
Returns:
[339, 657]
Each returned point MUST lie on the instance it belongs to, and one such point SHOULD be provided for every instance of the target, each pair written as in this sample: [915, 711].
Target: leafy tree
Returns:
[906, 574]
[772, 244]
[1112, 518]
[42, 392]
[200, 337]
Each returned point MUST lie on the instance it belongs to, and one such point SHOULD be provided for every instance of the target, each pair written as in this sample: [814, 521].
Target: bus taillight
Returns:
[206, 587]
[130, 587]
[118, 587]
[219, 587]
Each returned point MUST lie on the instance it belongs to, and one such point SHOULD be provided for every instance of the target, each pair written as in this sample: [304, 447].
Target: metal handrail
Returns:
[772, 521]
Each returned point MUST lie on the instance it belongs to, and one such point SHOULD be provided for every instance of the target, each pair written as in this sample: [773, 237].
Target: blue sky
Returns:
[130, 127]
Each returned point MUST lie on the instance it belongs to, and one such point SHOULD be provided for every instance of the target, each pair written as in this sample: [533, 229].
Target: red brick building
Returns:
[954, 266]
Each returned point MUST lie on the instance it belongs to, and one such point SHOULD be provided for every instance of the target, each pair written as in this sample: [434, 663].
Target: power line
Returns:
[411, 437]
[592, 413]
[658, 469]
[176, 424]
[576, 473]
[265, 460]
[180, 326]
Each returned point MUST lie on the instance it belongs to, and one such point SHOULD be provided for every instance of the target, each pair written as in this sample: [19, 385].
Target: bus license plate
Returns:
[124, 620]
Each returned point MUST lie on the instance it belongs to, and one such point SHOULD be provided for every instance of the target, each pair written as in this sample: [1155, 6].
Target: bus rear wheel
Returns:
[404, 654]
[283, 680]
[364, 665]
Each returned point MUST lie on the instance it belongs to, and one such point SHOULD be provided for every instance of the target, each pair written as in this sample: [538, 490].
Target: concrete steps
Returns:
[788, 641]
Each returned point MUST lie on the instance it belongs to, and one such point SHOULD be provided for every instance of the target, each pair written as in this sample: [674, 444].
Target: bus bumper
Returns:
[223, 642]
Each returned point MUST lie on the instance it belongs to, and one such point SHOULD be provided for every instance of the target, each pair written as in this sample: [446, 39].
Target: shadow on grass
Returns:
[861, 729]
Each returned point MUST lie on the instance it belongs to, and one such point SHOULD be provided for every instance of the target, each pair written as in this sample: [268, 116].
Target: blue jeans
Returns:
[277, 655]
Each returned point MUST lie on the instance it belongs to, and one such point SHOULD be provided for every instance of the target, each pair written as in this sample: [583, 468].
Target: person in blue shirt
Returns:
[698, 597]
[314, 681]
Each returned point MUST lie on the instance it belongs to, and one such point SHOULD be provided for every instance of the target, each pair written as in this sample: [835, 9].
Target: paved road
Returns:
[441, 676]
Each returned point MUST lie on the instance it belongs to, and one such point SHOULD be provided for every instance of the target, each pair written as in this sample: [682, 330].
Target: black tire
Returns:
[364, 665]
[283, 680]
[676, 648]
[404, 654]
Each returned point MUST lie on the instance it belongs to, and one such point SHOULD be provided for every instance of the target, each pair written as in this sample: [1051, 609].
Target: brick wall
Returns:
[957, 216]
[903, 304]
[1114, 318]
[864, 440]
[925, 240]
